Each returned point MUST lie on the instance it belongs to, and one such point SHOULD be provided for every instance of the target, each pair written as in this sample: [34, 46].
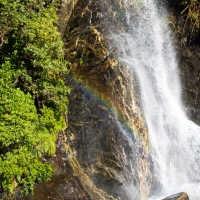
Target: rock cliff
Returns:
[104, 153]
[109, 135]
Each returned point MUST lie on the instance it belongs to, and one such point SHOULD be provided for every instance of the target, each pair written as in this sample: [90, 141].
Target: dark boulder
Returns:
[179, 196]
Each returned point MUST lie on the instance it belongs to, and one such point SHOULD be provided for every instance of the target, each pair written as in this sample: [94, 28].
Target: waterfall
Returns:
[145, 46]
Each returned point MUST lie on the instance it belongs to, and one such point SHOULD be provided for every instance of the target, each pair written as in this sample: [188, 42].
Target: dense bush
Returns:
[33, 99]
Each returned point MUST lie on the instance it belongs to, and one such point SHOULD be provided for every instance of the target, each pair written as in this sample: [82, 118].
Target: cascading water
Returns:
[145, 46]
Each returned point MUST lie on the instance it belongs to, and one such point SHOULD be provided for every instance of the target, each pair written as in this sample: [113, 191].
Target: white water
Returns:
[175, 140]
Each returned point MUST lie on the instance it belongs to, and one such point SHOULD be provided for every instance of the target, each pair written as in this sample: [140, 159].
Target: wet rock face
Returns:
[188, 53]
[105, 126]
[190, 74]
[102, 149]
[179, 196]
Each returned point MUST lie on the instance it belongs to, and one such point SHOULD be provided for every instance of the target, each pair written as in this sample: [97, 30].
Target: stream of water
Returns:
[175, 140]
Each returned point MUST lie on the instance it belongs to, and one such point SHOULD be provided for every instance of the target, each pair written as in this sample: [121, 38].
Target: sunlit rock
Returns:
[62, 186]
[179, 196]
[110, 135]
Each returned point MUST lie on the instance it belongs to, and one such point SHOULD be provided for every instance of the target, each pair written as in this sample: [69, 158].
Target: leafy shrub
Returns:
[33, 99]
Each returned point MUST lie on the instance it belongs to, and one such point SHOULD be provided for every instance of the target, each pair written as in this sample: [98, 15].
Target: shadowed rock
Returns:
[188, 53]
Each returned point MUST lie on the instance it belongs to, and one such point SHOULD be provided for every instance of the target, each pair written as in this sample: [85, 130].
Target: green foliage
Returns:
[33, 99]
[24, 137]
[188, 2]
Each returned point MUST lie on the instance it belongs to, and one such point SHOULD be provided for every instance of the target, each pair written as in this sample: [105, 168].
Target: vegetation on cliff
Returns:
[191, 13]
[33, 99]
